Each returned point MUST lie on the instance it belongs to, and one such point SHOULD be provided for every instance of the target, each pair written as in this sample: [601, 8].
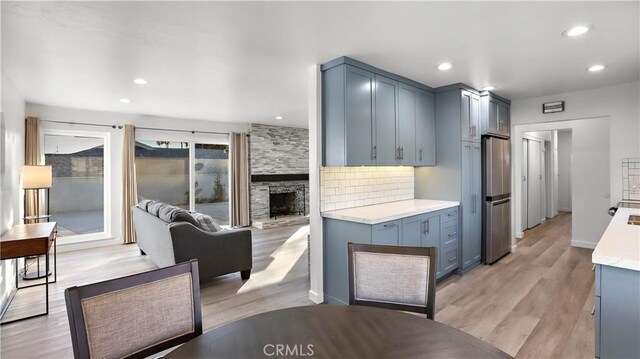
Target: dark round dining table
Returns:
[335, 331]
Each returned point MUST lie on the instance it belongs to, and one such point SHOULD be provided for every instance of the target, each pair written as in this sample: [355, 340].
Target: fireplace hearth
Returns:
[287, 200]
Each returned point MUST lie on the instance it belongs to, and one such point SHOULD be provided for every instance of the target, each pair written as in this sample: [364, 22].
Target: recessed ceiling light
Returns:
[596, 68]
[445, 66]
[125, 100]
[279, 117]
[577, 30]
[488, 88]
[140, 81]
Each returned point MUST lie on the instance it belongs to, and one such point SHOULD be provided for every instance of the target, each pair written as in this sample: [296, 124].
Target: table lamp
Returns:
[35, 178]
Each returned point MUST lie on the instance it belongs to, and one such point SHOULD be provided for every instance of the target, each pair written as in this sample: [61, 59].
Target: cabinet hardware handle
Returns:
[421, 154]
[426, 226]
[401, 153]
[389, 225]
[397, 153]
[452, 234]
[452, 259]
[593, 311]
[374, 152]
[473, 203]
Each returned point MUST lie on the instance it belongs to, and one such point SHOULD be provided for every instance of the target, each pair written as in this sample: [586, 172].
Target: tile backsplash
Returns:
[347, 187]
[631, 178]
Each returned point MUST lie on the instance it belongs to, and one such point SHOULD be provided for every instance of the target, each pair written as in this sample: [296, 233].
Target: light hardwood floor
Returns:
[535, 303]
[279, 279]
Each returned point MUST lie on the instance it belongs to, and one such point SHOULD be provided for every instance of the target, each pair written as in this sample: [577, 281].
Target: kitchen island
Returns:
[617, 288]
[414, 223]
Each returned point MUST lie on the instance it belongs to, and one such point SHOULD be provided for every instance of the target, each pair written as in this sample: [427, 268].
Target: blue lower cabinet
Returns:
[412, 230]
[617, 313]
[434, 229]
[448, 260]
[387, 233]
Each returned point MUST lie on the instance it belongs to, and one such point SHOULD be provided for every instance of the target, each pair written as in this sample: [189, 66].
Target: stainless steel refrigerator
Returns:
[496, 192]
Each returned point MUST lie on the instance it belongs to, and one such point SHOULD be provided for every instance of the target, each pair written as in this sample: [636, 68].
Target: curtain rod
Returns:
[83, 123]
[140, 128]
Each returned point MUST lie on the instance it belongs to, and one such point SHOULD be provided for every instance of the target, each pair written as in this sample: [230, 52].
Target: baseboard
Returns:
[583, 244]
[315, 297]
[469, 268]
[519, 235]
[332, 300]
[69, 247]
[562, 209]
[543, 220]
[5, 303]
[513, 248]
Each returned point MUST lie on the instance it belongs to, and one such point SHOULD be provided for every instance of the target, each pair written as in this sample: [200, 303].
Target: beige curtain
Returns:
[239, 180]
[32, 157]
[129, 184]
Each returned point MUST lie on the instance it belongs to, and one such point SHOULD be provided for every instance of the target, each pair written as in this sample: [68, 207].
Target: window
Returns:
[78, 201]
[190, 175]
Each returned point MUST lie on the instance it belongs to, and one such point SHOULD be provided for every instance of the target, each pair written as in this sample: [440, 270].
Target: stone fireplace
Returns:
[279, 167]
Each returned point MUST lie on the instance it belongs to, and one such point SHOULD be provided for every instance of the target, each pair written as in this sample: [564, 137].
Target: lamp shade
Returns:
[35, 177]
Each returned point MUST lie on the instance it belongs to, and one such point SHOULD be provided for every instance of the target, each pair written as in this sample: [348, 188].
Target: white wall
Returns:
[620, 103]
[12, 147]
[615, 119]
[113, 118]
[564, 171]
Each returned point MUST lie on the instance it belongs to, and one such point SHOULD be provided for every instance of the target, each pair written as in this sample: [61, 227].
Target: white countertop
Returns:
[384, 212]
[620, 243]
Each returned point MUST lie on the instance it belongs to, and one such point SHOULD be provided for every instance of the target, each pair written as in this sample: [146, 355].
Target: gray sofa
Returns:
[218, 253]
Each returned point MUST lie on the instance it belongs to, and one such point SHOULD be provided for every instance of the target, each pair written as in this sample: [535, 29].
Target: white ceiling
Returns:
[248, 62]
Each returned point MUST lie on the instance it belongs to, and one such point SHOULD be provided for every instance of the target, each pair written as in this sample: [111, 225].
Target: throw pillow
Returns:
[172, 214]
[144, 204]
[164, 212]
[154, 207]
[207, 222]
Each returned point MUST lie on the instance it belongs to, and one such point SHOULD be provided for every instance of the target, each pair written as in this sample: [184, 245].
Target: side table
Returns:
[25, 240]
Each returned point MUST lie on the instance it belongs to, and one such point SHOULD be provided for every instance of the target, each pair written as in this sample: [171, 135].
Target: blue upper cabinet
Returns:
[495, 115]
[425, 133]
[374, 118]
[470, 116]
[416, 127]
[386, 113]
[359, 116]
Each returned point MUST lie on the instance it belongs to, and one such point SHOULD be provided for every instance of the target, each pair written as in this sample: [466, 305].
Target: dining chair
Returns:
[135, 316]
[393, 277]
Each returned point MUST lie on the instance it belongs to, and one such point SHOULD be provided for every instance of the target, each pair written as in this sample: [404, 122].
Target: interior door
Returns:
[525, 185]
[535, 180]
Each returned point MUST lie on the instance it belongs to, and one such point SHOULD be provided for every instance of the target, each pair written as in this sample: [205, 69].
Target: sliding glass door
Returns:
[211, 181]
[190, 175]
[78, 196]
[162, 171]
